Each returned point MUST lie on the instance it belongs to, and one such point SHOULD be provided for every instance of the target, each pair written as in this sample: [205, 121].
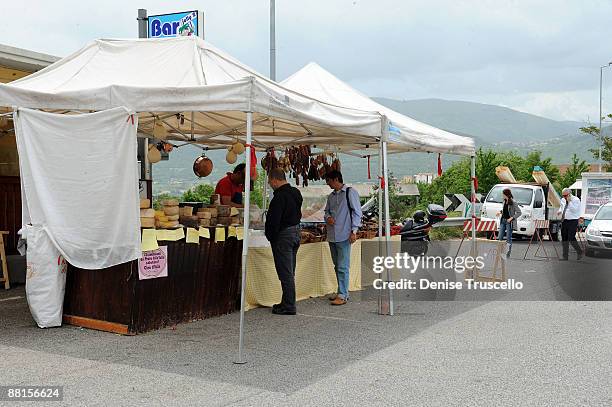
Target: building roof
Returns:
[24, 60]
[408, 190]
[593, 167]
[316, 191]
[15, 63]
[364, 190]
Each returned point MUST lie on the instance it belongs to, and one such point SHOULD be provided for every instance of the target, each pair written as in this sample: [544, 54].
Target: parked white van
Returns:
[530, 198]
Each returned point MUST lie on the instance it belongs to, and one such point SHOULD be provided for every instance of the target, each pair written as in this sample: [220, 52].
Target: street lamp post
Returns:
[600, 111]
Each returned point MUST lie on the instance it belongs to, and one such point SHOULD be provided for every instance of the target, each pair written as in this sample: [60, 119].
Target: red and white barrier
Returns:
[481, 226]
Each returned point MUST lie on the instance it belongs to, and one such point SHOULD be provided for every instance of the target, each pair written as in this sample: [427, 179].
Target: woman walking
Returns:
[507, 223]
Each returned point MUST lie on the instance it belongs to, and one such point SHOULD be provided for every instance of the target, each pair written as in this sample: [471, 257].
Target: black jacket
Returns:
[285, 210]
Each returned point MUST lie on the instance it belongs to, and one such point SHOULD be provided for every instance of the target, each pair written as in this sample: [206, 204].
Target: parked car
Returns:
[599, 231]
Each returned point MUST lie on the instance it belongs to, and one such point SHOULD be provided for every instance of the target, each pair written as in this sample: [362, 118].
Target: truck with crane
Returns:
[531, 198]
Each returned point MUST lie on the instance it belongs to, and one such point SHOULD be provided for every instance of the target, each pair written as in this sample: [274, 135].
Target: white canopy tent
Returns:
[169, 79]
[404, 133]
[199, 94]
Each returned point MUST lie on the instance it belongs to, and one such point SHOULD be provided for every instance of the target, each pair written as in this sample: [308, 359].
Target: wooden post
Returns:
[5, 275]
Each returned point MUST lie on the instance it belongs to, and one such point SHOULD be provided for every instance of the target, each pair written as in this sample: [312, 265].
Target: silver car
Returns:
[599, 231]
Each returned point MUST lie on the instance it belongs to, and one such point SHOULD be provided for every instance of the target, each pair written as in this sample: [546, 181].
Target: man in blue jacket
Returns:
[343, 218]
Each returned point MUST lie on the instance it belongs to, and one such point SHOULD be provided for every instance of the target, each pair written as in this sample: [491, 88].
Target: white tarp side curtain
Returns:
[314, 81]
[79, 177]
[46, 278]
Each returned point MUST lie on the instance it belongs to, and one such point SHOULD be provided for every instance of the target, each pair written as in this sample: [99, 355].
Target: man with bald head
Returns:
[283, 232]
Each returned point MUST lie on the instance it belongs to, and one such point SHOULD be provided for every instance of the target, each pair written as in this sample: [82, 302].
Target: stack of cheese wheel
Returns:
[224, 212]
[171, 216]
[236, 216]
[147, 215]
[187, 218]
[208, 216]
[160, 217]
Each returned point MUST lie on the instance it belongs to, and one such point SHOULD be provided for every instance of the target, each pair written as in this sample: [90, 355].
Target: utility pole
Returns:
[143, 144]
[600, 113]
[600, 110]
[272, 40]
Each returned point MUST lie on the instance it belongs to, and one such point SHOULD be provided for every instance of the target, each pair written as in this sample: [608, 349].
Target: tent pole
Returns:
[380, 218]
[245, 241]
[264, 199]
[387, 220]
[473, 199]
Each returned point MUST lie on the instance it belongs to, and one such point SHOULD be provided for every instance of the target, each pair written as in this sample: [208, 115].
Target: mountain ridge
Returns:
[496, 127]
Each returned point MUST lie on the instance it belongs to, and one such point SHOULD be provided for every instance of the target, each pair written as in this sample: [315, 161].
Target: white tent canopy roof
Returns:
[314, 81]
[173, 78]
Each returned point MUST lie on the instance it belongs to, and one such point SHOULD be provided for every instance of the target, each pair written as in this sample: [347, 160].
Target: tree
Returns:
[257, 192]
[486, 162]
[532, 160]
[157, 200]
[574, 172]
[456, 179]
[199, 193]
[606, 141]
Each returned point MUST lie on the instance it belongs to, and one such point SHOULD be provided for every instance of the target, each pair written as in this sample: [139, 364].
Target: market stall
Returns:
[201, 96]
[204, 97]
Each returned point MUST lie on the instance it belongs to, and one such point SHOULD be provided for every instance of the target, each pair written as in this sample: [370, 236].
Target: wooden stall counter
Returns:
[203, 281]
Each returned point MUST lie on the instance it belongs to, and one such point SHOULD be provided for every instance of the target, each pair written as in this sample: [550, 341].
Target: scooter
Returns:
[415, 230]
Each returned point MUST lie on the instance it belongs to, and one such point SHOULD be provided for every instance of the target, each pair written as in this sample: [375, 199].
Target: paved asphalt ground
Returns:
[481, 350]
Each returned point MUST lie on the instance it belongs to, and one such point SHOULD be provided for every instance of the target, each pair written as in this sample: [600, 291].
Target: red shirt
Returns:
[225, 187]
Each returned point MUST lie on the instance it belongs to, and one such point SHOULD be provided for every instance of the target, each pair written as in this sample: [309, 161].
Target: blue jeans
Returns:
[341, 256]
[505, 227]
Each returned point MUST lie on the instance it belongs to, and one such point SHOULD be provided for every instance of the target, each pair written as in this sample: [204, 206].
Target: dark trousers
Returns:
[568, 235]
[284, 250]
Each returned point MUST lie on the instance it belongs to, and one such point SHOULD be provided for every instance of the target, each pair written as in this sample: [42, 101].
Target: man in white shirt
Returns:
[570, 213]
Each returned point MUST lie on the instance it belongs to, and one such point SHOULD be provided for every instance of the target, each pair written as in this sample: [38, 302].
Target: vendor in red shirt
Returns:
[231, 186]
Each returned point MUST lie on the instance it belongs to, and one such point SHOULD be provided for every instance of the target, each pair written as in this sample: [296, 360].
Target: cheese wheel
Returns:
[147, 222]
[147, 213]
[223, 220]
[205, 222]
[204, 215]
[163, 218]
[170, 202]
[173, 217]
[169, 224]
[187, 211]
[158, 214]
[223, 210]
[145, 203]
[171, 210]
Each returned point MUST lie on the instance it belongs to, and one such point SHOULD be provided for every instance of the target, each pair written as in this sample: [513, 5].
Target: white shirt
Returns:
[573, 208]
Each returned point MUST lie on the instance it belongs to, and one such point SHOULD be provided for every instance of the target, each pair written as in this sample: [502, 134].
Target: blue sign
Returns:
[394, 130]
[172, 25]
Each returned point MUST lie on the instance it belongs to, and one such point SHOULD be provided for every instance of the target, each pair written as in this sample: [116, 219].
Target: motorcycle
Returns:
[415, 230]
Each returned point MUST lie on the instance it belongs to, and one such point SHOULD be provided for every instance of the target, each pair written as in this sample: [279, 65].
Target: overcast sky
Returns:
[541, 57]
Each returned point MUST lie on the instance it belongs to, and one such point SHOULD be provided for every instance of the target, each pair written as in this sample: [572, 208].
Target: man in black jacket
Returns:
[283, 232]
